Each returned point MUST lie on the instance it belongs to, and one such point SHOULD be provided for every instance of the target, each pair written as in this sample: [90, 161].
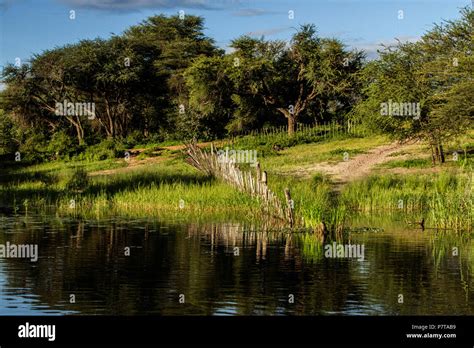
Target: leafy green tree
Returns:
[115, 75]
[34, 89]
[8, 142]
[436, 74]
[21, 97]
[289, 78]
[448, 68]
[210, 94]
[118, 76]
[178, 42]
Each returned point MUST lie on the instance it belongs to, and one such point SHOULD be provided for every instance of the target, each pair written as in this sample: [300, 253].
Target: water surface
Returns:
[228, 269]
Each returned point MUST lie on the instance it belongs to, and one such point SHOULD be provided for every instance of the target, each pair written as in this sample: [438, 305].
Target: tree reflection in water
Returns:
[227, 269]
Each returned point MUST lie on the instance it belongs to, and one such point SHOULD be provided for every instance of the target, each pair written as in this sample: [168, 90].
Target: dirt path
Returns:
[343, 172]
[358, 166]
[181, 147]
[134, 163]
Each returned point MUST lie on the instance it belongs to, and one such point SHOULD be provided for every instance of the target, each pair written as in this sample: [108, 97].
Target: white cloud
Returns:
[252, 12]
[136, 5]
[268, 32]
[371, 48]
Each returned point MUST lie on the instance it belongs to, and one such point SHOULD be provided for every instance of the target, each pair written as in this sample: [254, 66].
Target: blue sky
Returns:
[31, 26]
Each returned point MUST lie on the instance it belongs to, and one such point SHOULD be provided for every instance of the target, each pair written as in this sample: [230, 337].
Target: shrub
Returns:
[62, 145]
[319, 179]
[133, 139]
[7, 131]
[106, 149]
[78, 181]
[32, 148]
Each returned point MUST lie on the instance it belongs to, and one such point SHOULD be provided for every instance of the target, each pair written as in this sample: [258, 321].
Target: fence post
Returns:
[289, 204]
[264, 184]
[259, 177]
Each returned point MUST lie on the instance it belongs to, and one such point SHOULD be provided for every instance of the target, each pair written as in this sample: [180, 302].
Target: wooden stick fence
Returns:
[255, 185]
[324, 129]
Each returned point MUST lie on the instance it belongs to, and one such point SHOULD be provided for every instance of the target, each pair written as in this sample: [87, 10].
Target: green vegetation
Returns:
[304, 106]
[293, 161]
[163, 80]
[272, 140]
[150, 191]
[409, 163]
[444, 200]
[423, 90]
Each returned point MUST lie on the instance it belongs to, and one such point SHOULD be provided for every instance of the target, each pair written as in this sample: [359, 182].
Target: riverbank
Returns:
[329, 180]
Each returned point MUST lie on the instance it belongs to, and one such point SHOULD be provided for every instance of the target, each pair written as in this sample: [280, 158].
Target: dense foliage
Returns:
[436, 73]
[164, 79]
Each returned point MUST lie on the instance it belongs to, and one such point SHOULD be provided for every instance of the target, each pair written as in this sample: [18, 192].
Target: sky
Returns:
[31, 26]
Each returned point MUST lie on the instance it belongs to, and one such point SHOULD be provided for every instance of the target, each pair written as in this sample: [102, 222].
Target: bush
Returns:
[133, 139]
[319, 179]
[78, 181]
[106, 149]
[62, 146]
[7, 135]
[33, 148]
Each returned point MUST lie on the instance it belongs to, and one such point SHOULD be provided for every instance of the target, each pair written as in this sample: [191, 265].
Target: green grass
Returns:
[445, 200]
[149, 191]
[159, 198]
[314, 201]
[158, 144]
[59, 170]
[270, 141]
[293, 159]
[459, 153]
[408, 163]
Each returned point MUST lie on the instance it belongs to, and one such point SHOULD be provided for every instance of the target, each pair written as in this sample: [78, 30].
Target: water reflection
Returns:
[228, 269]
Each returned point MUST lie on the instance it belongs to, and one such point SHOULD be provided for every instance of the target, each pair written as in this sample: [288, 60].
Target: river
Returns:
[152, 267]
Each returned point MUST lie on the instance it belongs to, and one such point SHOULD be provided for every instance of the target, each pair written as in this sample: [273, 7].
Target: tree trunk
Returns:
[291, 117]
[291, 125]
[80, 134]
[441, 153]
[437, 152]
[433, 157]
[436, 148]
[78, 127]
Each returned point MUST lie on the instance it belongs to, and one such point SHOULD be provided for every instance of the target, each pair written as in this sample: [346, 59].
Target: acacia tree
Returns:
[448, 68]
[115, 74]
[178, 41]
[8, 143]
[287, 78]
[135, 80]
[210, 95]
[435, 72]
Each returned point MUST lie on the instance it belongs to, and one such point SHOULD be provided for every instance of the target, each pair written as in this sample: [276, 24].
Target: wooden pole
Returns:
[258, 179]
[264, 177]
[265, 187]
[289, 203]
[209, 163]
